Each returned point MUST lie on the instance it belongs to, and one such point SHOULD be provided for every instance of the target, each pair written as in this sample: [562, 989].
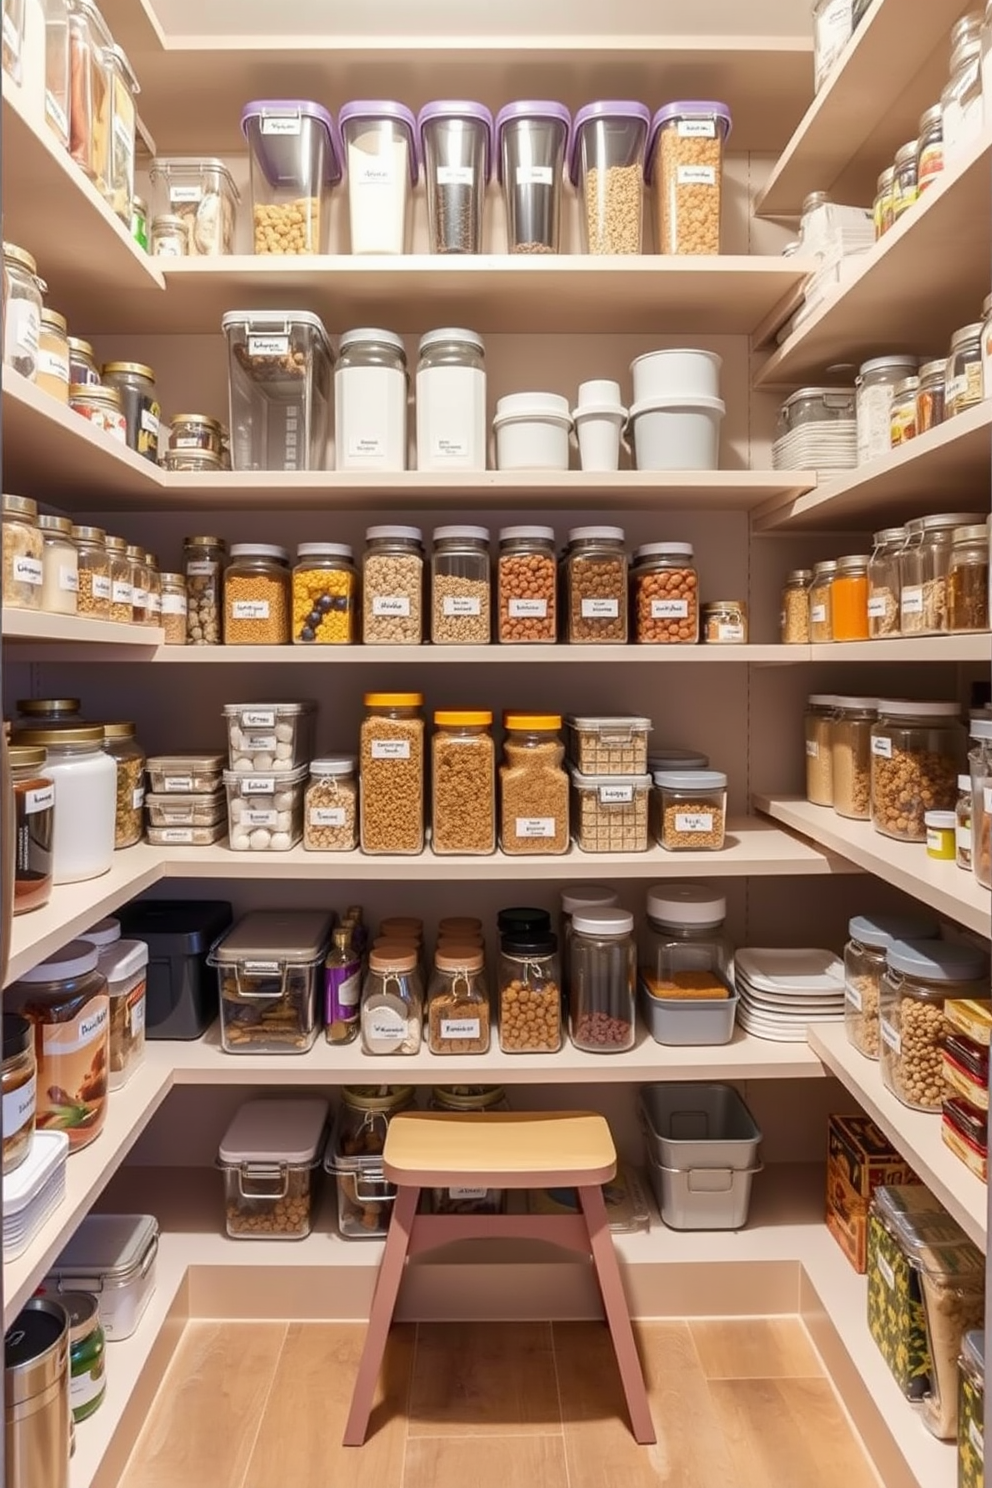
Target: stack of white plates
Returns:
[33, 1191]
[783, 991]
[831, 445]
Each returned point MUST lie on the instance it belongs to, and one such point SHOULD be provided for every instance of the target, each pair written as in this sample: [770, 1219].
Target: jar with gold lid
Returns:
[93, 562]
[102, 407]
[139, 584]
[23, 573]
[121, 582]
[121, 744]
[724, 622]
[22, 313]
[174, 607]
[60, 566]
[53, 355]
[195, 431]
[136, 384]
[154, 590]
[200, 462]
[83, 370]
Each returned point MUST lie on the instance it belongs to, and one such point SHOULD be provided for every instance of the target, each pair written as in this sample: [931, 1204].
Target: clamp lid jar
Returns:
[23, 554]
[296, 160]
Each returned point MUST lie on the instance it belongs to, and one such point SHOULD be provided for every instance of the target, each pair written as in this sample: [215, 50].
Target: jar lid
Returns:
[20, 256]
[939, 520]
[906, 386]
[889, 364]
[451, 333]
[978, 533]
[37, 1333]
[393, 699]
[371, 333]
[374, 111]
[605, 919]
[324, 550]
[18, 1035]
[115, 545]
[691, 779]
[451, 924]
[734, 606]
[119, 730]
[20, 506]
[454, 957]
[341, 764]
[585, 896]
[856, 704]
[521, 919]
[513, 406]
[84, 348]
[825, 569]
[966, 333]
[822, 700]
[204, 420]
[677, 759]
[906, 153]
[260, 550]
[934, 115]
[943, 820]
[48, 523]
[60, 707]
[542, 534]
[56, 321]
[937, 960]
[392, 957]
[377, 1097]
[889, 535]
[413, 534]
[685, 904]
[663, 549]
[408, 924]
[523, 943]
[53, 737]
[980, 728]
[853, 563]
[22, 757]
[532, 722]
[75, 959]
[84, 1314]
[608, 111]
[902, 708]
[138, 368]
[886, 178]
[815, 199]
[799, 576]
[104, 932]
[449, 534]
[593, 534]
[136, 553]
[204, 542]
[456, 719]
[934, 370]
[467, 1097]
[96, 393]
[881, 931]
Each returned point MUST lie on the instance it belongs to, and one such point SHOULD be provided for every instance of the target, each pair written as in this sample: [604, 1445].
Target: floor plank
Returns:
[454, 1461]
[487, 1378]
[755, 1348]
[787, 1432]
[299, 1442]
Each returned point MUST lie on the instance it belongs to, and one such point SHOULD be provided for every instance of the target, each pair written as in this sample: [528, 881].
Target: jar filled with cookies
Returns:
[596, 582]
[330, 811]
[527, 586]
[458, 1001]
[920, 976]
[530, 1000]
[665, 595]
[917, 754]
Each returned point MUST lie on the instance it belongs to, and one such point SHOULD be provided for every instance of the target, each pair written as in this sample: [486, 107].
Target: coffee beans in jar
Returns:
[527, 586]
[596, 581]
[665, 595]
[917, 750]
[203, 560]
[392, 586]
[392, 773]
[257, 596]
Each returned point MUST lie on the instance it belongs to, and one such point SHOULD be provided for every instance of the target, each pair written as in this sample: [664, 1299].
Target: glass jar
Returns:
[884, 583]
[57, 91]
[392, 1001]
[465, 1098]
[882, 208]
[154, 590]
[330, 810]
[121, 145]
[65, 998]
[22, 314]
[174, 608]
[980, 763]
[962, 829]
[533, 785]
[665, 595]
[169, 236]
[90, 107]
[139, 221]
[850, 751]
[595, 566]
[820, 709]
[691, 810]
[930, 396]
[820, 608]
[530, 994]
[19, 1081]
[142, 412]
[370, 401]
[325, 595]
[849, 598]
[139, 583]
[34, 817]
[60, 566]
[48, 712]
[452, 430]
[923, 567]
[23, 553]
[527, 586]
[85, 781]
[794, 618]
[87, 1354]
[919, 978]
[463, 780]
[574, 897]
[902, 416]
[685, 942]
[53, 356]
[393, 586]
[102, 407]
[121, 580]
[723, 622]
[392, 773]
[129, 757]
[257, 596]
[968, 580]
[203, 563]
[458, 1002]
[365, 1199]
[83, 370]
[905, 183]
[961, 100]
[460, 587]
[930, 148]
[876, 383]
[833, 23]
[195, 431]
[192, 462]
[964, 370]
[602, 980]
[864, 966]
[917, 750]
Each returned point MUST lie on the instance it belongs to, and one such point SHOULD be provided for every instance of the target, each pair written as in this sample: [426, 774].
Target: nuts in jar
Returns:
[530, 1004]
[464, 783]
[917, 750]
[392, 586]
[666, 595]
[596, 580]
[527, 586]
[864, 965]
[257, 596]
[392, 773]
[330, 810]
[203, 560]
[919, 978]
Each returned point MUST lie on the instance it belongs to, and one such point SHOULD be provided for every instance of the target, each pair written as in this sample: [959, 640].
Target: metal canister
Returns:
[36, 1397]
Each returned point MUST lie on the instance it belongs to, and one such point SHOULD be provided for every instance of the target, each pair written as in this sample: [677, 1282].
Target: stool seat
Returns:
[499, 1149]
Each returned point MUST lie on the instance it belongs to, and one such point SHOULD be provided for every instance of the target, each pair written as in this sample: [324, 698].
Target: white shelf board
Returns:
[943, 886]
[494, 655]
[106, 638]
[916, 1134]
[976, 648]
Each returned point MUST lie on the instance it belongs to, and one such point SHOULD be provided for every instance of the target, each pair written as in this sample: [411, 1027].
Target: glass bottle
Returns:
[923, 569]
[820, 611]
[602, 980]
[204, 559]
[882, 207]
[963, 388]
[905, 187]
[961, 100]
[169, 236]
[902, 416]
[342, 989]
[931, 395]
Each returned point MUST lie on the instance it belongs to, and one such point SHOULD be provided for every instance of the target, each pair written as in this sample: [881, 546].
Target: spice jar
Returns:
[876, 383]
[257, 596]
[53, 356]
[392, 586]
[23, 552]
[129, 757]
[530, 1001]
[820, 708]
[34, 816]
[102, 407]
[533, 785]
[595, 566]
[121, 580]
[964, 370]
[203, 561]
[60, 566]
[930, 396]
[330, 808]
[136, 384]
[527, 586]
[452, 433]
[370, 399]
[602, 980]
[19, 1081]
[365, 1199]
[665, 589]
[460, 589]
[864, 966]
[919, 978]
[169, 236]
[849, 598]
[917, 750]
[962, 827]
[325, 595]
[174, 608]
[139, 583]
[83, 370]
[463, 783]
[794, 619]
[905, 183]
[195, 431]
[902, 415]
[85, 781]
[22, 313]
[724, 622]
[458, 1002]
[882, 208]
[923, 566]
[820, 607]
[392, 773]
[968, 580]
[87, 1354]
[850, 754]
[392, 1001]
[930, 148]
[940, 827]
[692, 810]
[884, 582]
[65, 998]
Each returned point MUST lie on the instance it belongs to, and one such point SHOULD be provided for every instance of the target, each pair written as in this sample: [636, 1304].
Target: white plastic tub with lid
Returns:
[532, 432]
[677, 433]
[84, 778]
[676, 372]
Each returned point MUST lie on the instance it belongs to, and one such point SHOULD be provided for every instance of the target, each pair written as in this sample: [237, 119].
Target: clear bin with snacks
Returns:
[185, 774]
[295, 163]
[690, 810]
[202, 191]
[610, 812]
[279, 374]
[270, 978]
[685, 172]
[270, 1158]
[276, 737]
[265, 811]
[609, 746]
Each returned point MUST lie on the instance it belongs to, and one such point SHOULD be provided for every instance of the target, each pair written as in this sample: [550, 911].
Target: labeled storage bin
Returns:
[113, 1257]
[531, 144]
[595, 567]
[295, 162]
[665, 595]
[609, 746]
[458, 1016]
[331, 806]
[279, 374]
[185, 774]
[456, 140]
[354, 1156]
[202, 192]
[33, 1191]
[460, 587]
[370, 401]
[186, 836]
[864, 966]
[463, 796]
[610, 812]
[186, 811]
[527, 586]
[917, 750]
[606, 163]
[269, 969]
[685, 172]
[265, 811]
[702, 1148]
[691, 810]
[379, 141]
[269, 737]
[919, 978]
[270, 1158]
[181, 999]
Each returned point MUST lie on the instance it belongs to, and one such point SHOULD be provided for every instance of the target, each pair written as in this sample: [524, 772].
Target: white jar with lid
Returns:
[59, 566]
[451, 401]
[85, 779]
[876, 384]
[370, 394]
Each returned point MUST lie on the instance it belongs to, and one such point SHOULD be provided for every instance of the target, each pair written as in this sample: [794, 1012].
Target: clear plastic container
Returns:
[265, 811]
[611, 812]
[595, 566]
[330, 812]
[884, 582]
[691, 810]
[850, 749]
[23, 305]
[204, 558]
[392, 1001]
[530, 993]
[13, 38]
[968, 580]
[980, 762]
[185, 774]
[382, 161]
[460, 587]
[370, 401]
[90, 105]
[821, 624]
[325, 595]
[393, 586]
[123, 121]
[665, 595]
[794, 618]
[273, 737]
[685, 170]
[456, 142]
[296, 159]
[270, 978]
[919, 978]
[452, 432]
[392, 773]
[609, 746]
[527, 586]
[687, 953]
[124, 963]
[121, 744]
[458, 1014]
[354, 1156]
[606, 162]
[923, 568]
[533, 785]
[531, 143]
[270, 1157]
[864, 967]
[186, 810]
[917, 750]
[280, 389]
[257, 596]
[201, 191]
[876, 384]
[463, 779]
[602, 980]
[23, 554]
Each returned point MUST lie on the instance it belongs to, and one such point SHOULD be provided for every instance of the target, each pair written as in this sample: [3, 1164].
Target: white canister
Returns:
[677, 433]
[451, 401]
[679, 372]
[598, 428]
[532, 432]
[85, 779]
[370, 393]
[876, 383]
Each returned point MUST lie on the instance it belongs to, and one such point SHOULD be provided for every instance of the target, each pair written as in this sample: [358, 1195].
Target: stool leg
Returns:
[383, 1304]
[617, 1314]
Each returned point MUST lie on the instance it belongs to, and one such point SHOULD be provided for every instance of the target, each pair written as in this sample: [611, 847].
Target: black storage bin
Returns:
[182, 998]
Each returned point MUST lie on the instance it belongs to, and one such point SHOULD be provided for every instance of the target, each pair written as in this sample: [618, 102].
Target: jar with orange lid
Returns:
[533, 785]
[392, 1012]
[463, 776]
[458, 1002]
[849, 598]
[392, 773]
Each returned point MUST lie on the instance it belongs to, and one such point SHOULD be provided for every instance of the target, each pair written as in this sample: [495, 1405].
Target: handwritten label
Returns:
[882, 748]
[697, 128]
[460, 1028]
[669, 609]
[600, 609]
[693, 821]
[391, 749]
[327, 816]
[268, 345]
[281, 124]
[616, 795]
[696, 175]
[455, 175]
[457, 604]
[535, 175]
[390, 604]
[535, 826]
[528, 609]
[250, 609]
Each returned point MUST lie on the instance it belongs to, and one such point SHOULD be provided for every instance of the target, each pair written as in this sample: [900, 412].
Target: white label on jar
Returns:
[729, 630]
[121, 592]
[882, 747]
[390, 604]
[460, 1028]
[696, 175]
[40, 799]
[259, 743]
[87, 1387]
[812, 749]
[697, 128]
[177, 835]
[962, 839]
[462, 604]
[11, 36]
[366, 446]
[174, 604]
[874, 418]
[384, 1024]
[56, 114]
[27, 570]
[258, 785]
[669, 609]
[179, 783]
[250, 609]
[23, 326]
[693, 821]
[975, 1437]
[446, 448]
[68, 579]
[327, 816]
[167, 248]
[282, 125]
[390, 749]
[600, 609]
[528, 609]
[149, 422]
[536, 826]
[18, 1107]
[987, 798]
[138, 797]
[886, 1272]
[268, 345]
[935, 839]
[455, 175]
[185, 193]
[891, 1036]
[535, 175]
[260, 818]
[191, 441]
[818, 614]
[101, 586]
[139, 598]
[877, 607]
[154, 602]
[69, 1038]
[54, 365]
[258, 718]
[457, 1194]
[616, 795]
[200, 567]
[853, 997]
[373, 171]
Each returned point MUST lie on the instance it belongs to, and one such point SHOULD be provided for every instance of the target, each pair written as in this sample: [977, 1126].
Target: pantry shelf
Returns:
[943, 886]
[976, 648]
[366, 656]
[35, 632]
[916, 1134]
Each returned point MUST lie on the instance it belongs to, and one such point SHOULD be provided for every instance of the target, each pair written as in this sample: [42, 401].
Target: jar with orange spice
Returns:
[849, 598]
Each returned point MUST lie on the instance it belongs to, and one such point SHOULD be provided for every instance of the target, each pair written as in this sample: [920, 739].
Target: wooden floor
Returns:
[739, 1403]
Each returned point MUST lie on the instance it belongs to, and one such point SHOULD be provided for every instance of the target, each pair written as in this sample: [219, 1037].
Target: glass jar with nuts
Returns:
[691, 810]
[527, 586]
[330, 813]
[665, 595]
[821, 627]
[93, 573]
[460, 587]
[458, 1002]
[120, 743]
[917, 751]
[392, 773]
[919, 978]
[257, 599]
[864, 966]
[596, 582]
[533, 785]
[530, 1003]
[463, 783]
[203, 561]
[393, 587]
[850, 751]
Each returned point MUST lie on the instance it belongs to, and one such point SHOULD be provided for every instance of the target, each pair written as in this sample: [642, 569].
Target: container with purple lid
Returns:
[607, 163]
[296, 158]
[531, 146]
[456, 138]
[685, 170]
[383, 163]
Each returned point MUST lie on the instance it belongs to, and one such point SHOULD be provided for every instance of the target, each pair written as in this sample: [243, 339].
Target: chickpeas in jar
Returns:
[527, 586]
[919, 978]
[530, 1000]
[392, 586]
[325, 595]
[864, 966]
[917, 750]
[665, 595]
[595, 566]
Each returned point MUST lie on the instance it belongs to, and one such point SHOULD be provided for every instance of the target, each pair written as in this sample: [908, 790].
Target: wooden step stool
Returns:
[569, 1149]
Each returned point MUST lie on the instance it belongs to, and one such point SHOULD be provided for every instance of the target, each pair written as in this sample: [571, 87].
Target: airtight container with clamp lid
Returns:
[268, 968]
[270, 1158]
[201, 190]
[113, 1257]
[269, 737]
[295, 162]
[279, 374]
[383, 164]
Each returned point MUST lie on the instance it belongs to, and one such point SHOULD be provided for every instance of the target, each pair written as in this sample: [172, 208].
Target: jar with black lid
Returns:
[136, 384]
[20, 1084]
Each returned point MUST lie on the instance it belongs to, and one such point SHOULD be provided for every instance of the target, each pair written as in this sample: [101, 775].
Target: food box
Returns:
[965, 1131]
[859, 1160]
[971, 1411]
[971, 1016]
[965, 1067]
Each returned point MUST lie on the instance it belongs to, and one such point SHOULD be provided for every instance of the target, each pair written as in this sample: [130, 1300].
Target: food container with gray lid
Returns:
[112, 1256]
[269, 971]
[181, 997]
[270, 1156]
[36, 1397]
[269, 738]
[185, 774]
[702, 1150]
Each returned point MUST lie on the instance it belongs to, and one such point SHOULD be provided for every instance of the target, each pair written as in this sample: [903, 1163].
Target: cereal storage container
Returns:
[971, 1410]
[295, 162]
[458, 1002]
[85, 780]
[330, 813]
[23, 554]
[392, 999]
[531, 144]
[665, 595]
[354, 1156]
[609, 746]
[460, 587]
[121, 744]
[270, 1157]
[269, 969]
[919, 978]
[185, 774]
[602, 980]
[818, 720]
[692, 808]
[529, 985]
[463, 781]
[257, 596]
[850, 756]
[393, 586]
[265, 811]
[527, 586]
[452, 430]
[864, 966]
[200, 190]
[685, 170]
[392, 773]
[456, 144]
[325, 595]
[595, 566]
[606, 163]
[917, 750]
[687, 953]
[382, 162]
[610, 812]
[370, 398]
[279, 375]
[884, 586]
[533, 785]
[124, 963]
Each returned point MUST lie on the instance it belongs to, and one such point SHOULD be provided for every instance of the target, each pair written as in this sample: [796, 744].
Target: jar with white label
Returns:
[103, 407]
[460, 587]
[139, 584]
[917, 753]
[120, 743]
[93, 572]
[820, 710]
[833, 24]
[596, 585]
[392, 773]
[821, 620]
[527, 586]
[864, 967]
[533, 785]
[876, 384]
[883, 582]
[257, 596]
[60, 566]
[174, 607]
[86, 788]
[53, 356]
[691, 810]
[393, 586]
[463, 778]
[458, 1002]
[963, 387]
[531, 140]
[22, 311]
[330, 812]
[923, 571]
[961, 100]
[665, 595]
[456, 140]
[370, 397]
[203, 562]
[392, 1001]
[383, 164]
[23, 549]
[684, 170]
[121, 580]
[451, 401]
[139, 398]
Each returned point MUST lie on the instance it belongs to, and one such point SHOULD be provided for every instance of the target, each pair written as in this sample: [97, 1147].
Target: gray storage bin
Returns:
[702, 1198]
[702, 1149]
[682, 1020]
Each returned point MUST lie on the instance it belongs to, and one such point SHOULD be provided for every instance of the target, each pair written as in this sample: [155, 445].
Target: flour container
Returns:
[456, 143]
[702, 1149]
[451, 401]
[676, 372]
[295, 161]
[370, 397]
[606, 162]
[382, 163]
[36, 1397]
[279, 375]
[531, 144]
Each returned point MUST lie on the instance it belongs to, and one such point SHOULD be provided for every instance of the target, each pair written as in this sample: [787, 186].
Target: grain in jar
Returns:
[606, 161]
[463, 780]
[902, 415]
[794, 618]
[930, 396]
[456, 145]
[458, 1016]
[204, 559]
[849, 598]
[685, 169]
[527, 586]
[392, 773]
[139, 584]
[595, 566]
[23, 554]
[460, 587]
[884, 582]
[870, 937]
[330, 810]
[917, 750]
[393, 586]
[876, 384]
[919, 978]
[370, 400]
[723, 622]
[34, 818]
[820, 708]
[119, 740]
[22, 311]
[968, 580]
[964, 370]
[665, 594]
[121, 580]
[533, 785]
[530, 999]
[452, 433]
[850, 747]
[257, 596]
[53, 356]
[60, 566]
[325, 595]
[691, 810]
[611, 812]
[820, 607]
[174, 608]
